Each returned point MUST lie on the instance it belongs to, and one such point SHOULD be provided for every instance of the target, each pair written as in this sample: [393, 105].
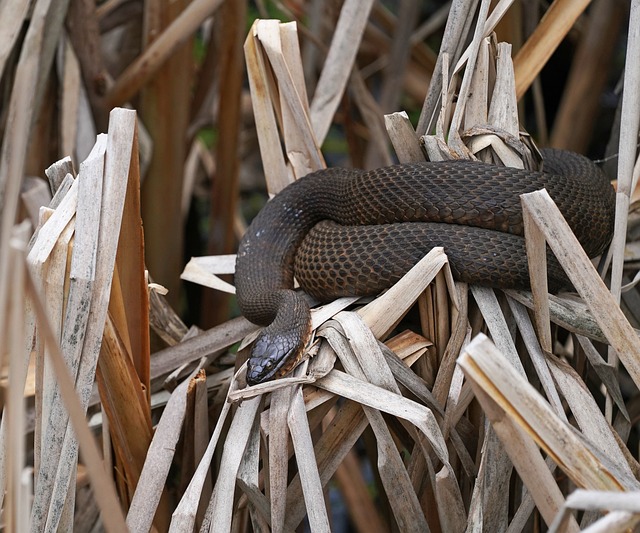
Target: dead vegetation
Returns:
[494, 410]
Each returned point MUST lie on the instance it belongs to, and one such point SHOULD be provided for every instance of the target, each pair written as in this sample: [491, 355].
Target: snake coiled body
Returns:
[348, 232]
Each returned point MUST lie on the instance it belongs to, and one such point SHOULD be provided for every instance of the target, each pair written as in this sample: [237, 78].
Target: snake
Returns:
[349, 232]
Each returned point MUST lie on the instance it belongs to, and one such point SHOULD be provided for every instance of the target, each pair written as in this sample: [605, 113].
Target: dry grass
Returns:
[435, 407]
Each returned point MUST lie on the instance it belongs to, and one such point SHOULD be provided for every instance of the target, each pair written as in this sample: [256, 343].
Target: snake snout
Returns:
[272, 356]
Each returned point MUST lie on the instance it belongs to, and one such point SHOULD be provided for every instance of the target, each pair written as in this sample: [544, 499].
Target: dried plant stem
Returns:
[14, 146]
[627, 150]
[102, 485]
[181, 29]
[13, 419]
[12, 15]
[84, 34]
[338, 64]
[225, 189]
[555, 24]
[546, 217]
[576, 116]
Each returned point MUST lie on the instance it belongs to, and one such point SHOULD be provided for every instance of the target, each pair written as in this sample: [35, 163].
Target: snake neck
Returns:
[264, 271]
[271, 241]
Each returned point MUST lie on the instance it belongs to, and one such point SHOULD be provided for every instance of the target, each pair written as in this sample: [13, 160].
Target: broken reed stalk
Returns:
[104, 490]
[627, 151]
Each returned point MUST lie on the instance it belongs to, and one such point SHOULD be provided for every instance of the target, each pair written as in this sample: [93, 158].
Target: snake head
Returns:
[274, 354]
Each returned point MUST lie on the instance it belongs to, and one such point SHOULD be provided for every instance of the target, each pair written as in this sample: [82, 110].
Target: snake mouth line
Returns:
[290, 363]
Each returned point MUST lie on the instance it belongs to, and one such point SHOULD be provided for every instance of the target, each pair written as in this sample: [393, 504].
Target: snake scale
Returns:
[348, 232]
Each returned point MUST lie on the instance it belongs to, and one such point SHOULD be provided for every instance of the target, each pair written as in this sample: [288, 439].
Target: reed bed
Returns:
[436, 406]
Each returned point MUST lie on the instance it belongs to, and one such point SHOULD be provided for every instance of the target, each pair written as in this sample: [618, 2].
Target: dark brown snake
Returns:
[347, 232]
